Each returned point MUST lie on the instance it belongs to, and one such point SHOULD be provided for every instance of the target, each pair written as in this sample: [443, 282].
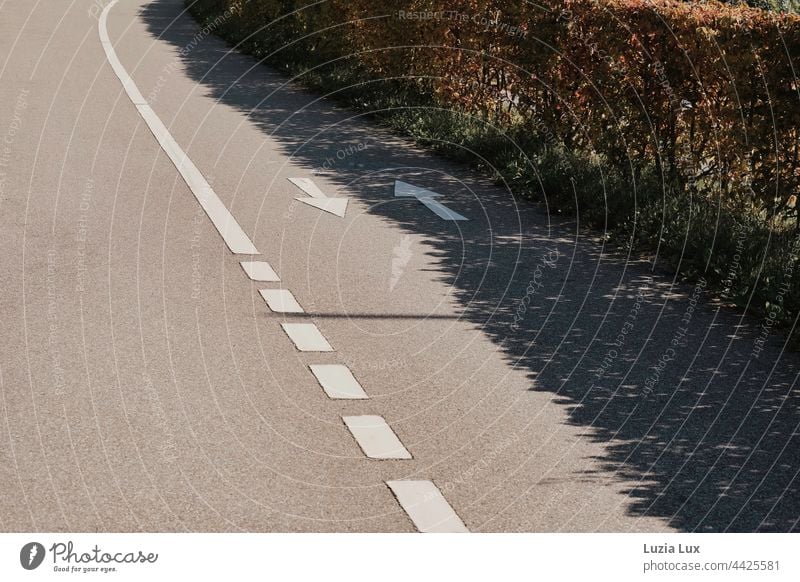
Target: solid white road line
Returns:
[426, 507]
[260, 271]
[375, 437]
[233, 235]
[338, 381]
[281, 301]
[306, 337]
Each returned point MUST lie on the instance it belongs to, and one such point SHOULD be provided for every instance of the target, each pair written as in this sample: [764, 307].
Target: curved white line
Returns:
[230, 231]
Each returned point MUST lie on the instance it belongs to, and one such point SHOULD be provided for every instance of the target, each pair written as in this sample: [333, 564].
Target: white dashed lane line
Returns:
[306, 337]
[260, 271]
[281, 301]
[338, 381]
[421, 500]
[375, 437]
[426, 507]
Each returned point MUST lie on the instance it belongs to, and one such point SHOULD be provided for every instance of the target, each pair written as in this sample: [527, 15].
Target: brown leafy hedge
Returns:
[708, 92]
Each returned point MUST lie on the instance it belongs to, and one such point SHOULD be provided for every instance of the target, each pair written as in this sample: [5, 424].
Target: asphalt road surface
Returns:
[465, 361]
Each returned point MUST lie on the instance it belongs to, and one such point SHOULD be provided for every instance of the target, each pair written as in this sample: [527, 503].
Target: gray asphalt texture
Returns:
[145, 386]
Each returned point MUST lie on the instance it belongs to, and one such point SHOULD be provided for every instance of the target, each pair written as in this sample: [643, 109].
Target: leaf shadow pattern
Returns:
[708, 439]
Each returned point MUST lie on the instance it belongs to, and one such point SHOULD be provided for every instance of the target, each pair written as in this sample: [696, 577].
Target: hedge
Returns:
[700, 98]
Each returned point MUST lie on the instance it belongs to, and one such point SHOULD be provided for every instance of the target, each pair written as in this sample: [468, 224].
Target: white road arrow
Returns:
[428, 198]
[337, 206]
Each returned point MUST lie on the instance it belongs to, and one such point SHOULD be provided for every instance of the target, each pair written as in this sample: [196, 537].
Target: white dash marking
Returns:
[307, 337]
[426, 507]
[375, 437]
[338, 382]
[281, 301]
[260, 271]
[233, 235]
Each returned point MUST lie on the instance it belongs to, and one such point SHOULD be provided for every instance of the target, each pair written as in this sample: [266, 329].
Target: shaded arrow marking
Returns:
[428, 198]
[337, 206]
